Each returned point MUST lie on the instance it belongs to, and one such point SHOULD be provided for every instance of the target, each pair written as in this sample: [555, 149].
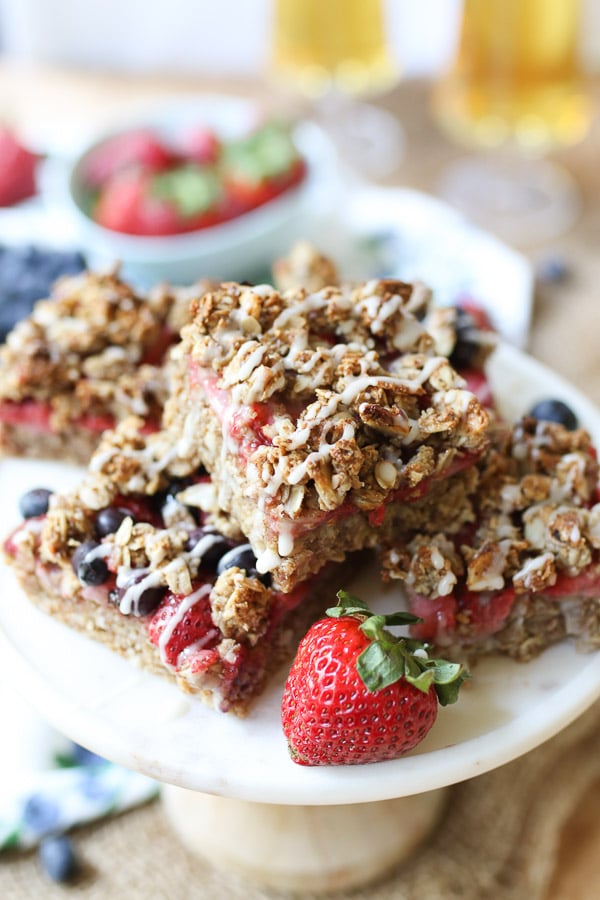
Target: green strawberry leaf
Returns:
[445, 672]
[192, 189]
[388, 657]
[374, 627]
[422, 681]
[379, 665]
[348, 605]
[345, 599]
[447, 693]
[402, 618]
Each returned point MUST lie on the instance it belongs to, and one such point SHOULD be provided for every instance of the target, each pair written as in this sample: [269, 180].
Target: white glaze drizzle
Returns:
[186, 604]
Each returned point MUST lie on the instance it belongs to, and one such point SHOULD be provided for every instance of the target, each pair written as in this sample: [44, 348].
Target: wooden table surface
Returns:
[566, 325]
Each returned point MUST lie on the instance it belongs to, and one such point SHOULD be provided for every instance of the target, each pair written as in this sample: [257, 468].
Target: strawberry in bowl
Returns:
[209, 188]
[142, 183]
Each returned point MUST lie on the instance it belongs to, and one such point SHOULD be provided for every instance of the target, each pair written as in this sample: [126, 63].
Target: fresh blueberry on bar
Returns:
[58, 858]
[243, 558]
[467, 346]
[555, 411]
[35, 503]
[144, 603]
[109, 519]
[91, 570]
[213, 554]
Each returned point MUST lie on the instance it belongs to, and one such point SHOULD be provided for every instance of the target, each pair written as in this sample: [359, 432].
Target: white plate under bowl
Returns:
[147, 724]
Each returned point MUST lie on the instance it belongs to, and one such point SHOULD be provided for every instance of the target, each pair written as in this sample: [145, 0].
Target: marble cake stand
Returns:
[231, 791]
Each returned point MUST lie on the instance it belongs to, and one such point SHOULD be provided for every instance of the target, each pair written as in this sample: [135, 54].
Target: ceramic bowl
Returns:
[241, 248]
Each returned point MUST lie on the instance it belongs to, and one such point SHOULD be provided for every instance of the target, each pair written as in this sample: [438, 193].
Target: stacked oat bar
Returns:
[301, 426]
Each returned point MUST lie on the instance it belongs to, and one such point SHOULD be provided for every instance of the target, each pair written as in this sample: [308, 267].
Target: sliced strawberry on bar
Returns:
[484, 613]
[194, 628]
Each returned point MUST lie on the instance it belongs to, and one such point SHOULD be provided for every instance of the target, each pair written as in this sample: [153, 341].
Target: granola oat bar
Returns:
[148, 565]
[517, 568]
[304, 267]
[320, 416]
[88, 356]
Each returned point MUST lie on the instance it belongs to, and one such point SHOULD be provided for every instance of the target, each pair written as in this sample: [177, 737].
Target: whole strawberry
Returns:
[356, 693]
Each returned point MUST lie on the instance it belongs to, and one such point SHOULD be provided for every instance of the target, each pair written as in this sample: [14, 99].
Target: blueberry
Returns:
[243, 558]
[467, 345]
[41, 813]
[89, 571]
[84, 757]
[168, 498]
[553, 270]
[215, 553]
[555, 411]
[58, 858]
[92, 785]
[212, 555]
[108, 520]
[175, 487]
[27, 274]
[147, 601]
[34, 503]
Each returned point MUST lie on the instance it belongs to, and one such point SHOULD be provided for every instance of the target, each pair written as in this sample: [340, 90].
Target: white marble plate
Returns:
[147, 724]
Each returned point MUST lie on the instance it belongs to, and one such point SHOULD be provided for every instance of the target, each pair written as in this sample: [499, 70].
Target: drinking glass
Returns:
[335, 53]
[515, 88]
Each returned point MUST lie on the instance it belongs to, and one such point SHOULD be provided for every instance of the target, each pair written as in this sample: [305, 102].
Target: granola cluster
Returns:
[306, 267]
[125, 464]
[534, 502]
[93, 348]
[324, 397]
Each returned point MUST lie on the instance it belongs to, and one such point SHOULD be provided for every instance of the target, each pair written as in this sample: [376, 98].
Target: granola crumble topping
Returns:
[534, 504]
[357, 402]
[94, 348]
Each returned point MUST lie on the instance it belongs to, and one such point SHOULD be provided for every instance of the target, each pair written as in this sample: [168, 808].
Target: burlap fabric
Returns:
[498, 839]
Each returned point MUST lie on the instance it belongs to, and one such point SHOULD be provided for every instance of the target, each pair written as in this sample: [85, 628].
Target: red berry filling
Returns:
[484, 613]
[194, 632]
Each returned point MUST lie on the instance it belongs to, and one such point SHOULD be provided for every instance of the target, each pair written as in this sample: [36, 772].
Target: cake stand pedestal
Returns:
[237, 798]
[303, 848]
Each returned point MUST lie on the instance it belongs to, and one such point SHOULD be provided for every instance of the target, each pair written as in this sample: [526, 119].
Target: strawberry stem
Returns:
[388, 657]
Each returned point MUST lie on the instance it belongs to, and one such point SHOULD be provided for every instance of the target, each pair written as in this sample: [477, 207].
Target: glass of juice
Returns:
[516, 87]
[336, 53]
